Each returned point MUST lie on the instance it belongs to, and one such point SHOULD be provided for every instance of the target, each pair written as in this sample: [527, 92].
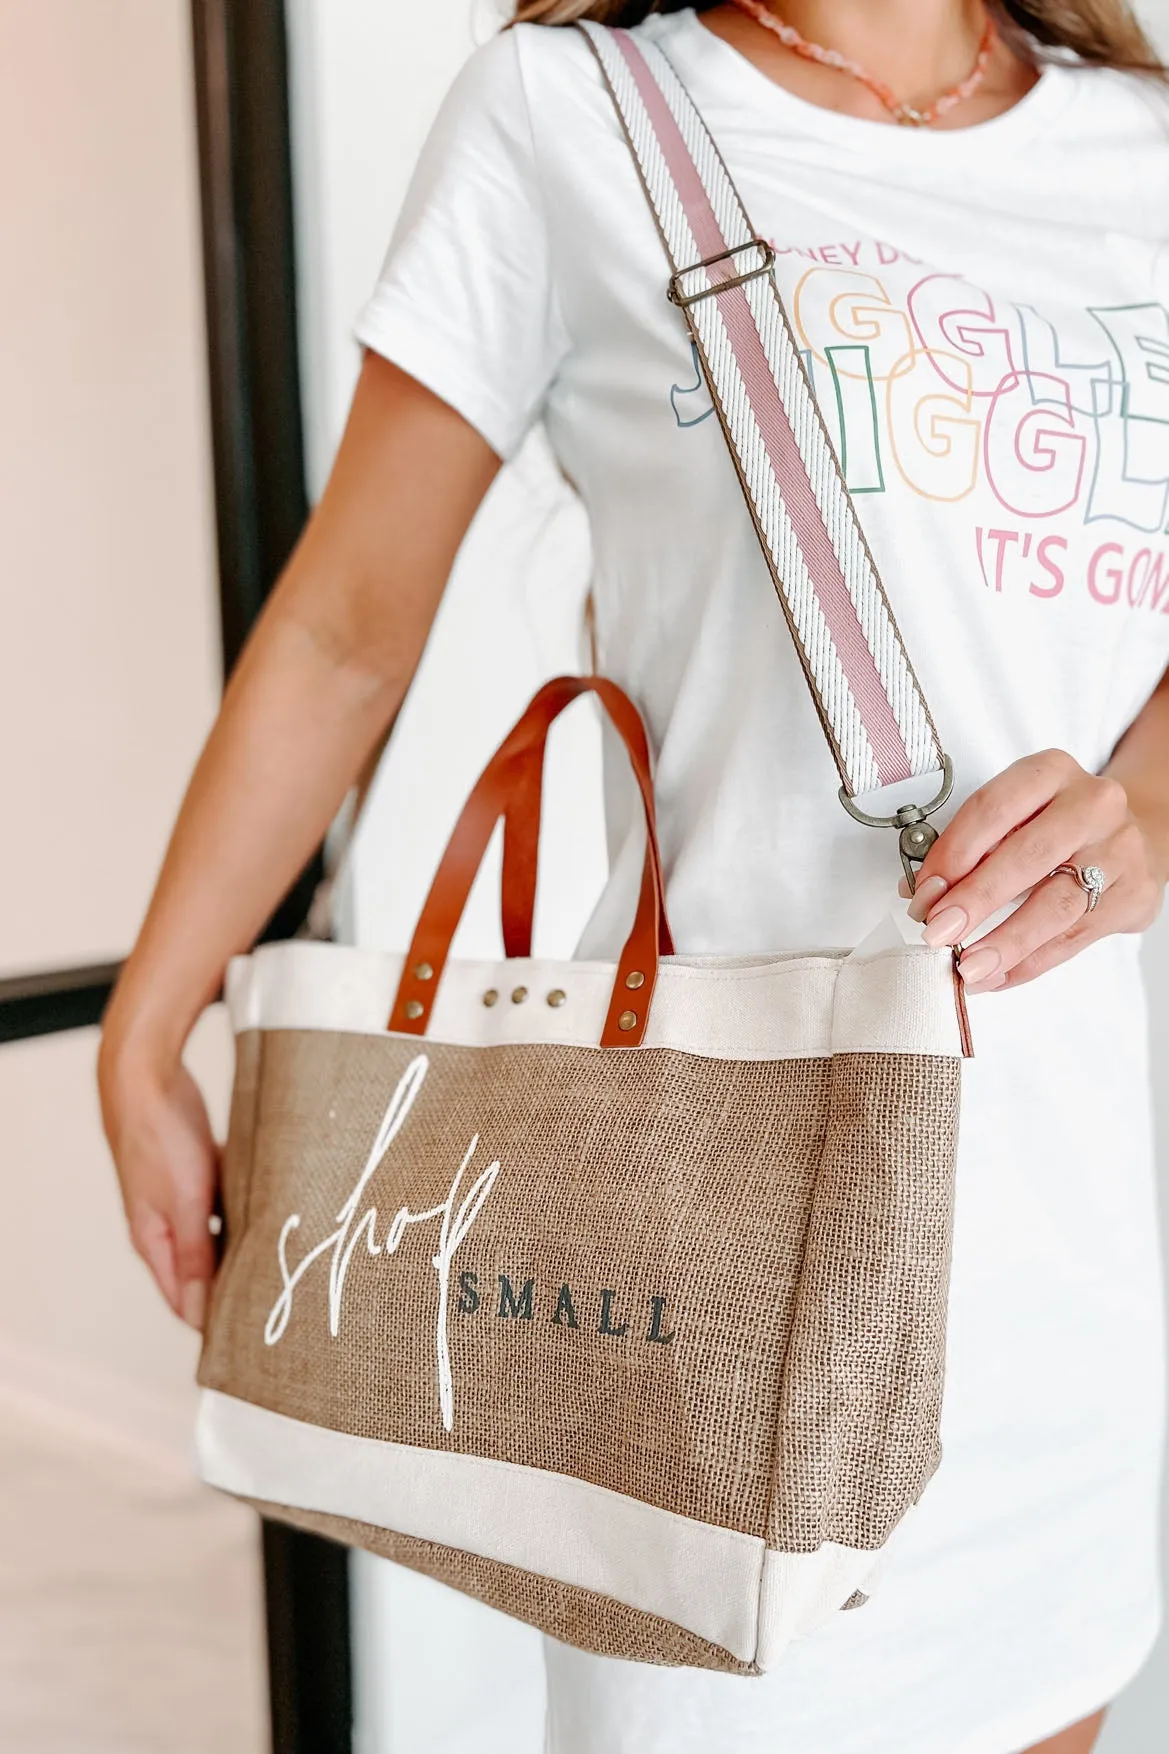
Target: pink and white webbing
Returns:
[868, 697]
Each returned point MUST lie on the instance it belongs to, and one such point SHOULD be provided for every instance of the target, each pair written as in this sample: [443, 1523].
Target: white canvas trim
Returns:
[703, 1578]
[717, 1583]
[894, 1000]
[803, 1591]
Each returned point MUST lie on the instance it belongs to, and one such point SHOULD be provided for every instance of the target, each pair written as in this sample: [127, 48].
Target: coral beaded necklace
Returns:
[904, 113]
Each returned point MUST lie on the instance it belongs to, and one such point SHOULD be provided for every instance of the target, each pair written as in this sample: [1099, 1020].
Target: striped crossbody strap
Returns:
[866, 692]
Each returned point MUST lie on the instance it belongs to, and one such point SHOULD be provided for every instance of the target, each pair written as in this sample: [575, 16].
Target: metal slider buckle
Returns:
[678, 296]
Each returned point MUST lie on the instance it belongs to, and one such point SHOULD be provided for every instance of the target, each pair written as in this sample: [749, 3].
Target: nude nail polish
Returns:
[946, 927]
[978, 966]
[926, 895]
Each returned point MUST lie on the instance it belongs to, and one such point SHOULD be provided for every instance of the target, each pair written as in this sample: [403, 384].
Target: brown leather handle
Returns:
[521, 854]
[509, 784]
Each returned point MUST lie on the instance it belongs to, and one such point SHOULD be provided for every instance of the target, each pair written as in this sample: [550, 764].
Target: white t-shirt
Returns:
[983, 314]
[993, 343]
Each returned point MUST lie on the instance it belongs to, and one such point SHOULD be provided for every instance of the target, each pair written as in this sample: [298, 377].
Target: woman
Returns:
[980, 297]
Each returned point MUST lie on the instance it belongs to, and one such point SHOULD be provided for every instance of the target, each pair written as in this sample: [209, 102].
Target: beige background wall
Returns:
[129, 1600]
[109, 666]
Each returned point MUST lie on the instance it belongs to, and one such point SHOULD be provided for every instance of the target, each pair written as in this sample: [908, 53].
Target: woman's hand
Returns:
[322, 676]
[167, 1163]
[1004, 842]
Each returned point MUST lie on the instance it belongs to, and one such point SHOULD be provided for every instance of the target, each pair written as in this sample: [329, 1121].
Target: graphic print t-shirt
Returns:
[983, 317]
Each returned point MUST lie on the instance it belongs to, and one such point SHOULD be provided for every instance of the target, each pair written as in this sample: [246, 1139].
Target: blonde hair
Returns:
[1103, 33]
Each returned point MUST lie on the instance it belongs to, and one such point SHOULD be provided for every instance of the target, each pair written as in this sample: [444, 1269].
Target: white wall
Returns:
[130, 1612]
[109, 652]
[104, 470]
[368, 75]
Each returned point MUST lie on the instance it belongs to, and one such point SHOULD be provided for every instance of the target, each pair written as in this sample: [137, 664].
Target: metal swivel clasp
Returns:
[917, 837]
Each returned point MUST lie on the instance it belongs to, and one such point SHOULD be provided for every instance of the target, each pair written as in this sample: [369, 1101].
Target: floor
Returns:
[130, 1609]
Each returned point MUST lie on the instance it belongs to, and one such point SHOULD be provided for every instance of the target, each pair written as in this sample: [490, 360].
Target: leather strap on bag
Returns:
[511, 777]
[521, 847]
[520, 850]
[865, 690]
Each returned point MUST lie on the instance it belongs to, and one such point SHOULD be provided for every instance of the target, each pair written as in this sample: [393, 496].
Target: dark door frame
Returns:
[261, 503]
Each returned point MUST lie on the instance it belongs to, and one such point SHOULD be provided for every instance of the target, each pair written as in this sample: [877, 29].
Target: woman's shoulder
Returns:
[1108, 144]
[548, 69]
[1108, 107]
[525, 85]
[528, 62]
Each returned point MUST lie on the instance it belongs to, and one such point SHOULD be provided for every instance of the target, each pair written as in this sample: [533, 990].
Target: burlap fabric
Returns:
[574, 1616]
[712, 1286]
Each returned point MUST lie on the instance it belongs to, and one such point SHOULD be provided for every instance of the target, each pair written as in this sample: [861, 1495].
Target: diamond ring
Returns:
[1090, 878]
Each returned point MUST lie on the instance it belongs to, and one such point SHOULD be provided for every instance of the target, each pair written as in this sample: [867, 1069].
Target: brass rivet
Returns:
[424, 972]
[490, 996]
[557, 996]
[414, 1007]
[519, 995]
[635, 979]
[627, 1020]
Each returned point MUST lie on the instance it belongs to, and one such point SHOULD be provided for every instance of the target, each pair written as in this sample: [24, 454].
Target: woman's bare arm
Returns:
[321, 677]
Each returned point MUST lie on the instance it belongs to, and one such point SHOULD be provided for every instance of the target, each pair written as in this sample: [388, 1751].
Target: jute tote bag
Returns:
[613, 1294]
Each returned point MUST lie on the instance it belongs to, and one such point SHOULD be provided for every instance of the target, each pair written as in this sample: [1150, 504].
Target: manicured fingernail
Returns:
[193, 1303]
[977, 966]
[977, 988]
[925, 895]
[946, 927]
